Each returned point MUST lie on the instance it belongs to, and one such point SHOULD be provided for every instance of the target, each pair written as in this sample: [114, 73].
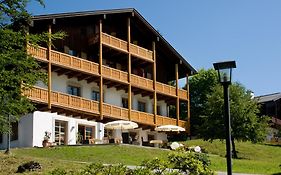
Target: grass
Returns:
[254, 158]
[73, 157]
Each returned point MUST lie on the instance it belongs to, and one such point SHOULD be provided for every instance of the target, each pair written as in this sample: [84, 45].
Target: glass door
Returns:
[60, 132]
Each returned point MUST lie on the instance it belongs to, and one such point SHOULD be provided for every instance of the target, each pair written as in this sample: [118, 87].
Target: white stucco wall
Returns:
[26, 131]
[42, 121]
[114, 97]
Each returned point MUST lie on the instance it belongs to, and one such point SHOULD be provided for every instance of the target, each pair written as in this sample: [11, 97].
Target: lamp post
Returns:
[224, 71]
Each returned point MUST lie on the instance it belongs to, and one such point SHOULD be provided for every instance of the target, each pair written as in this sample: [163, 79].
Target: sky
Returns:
[204, 32]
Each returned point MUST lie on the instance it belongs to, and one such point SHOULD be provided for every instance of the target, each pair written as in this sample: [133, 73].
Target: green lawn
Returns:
[108, 154]
[254, 158]
[74, 157]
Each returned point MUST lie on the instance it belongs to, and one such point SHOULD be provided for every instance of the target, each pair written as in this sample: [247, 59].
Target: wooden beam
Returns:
[100, 71]
[177, 93]
[64, 72]
[129, 70]
[154, 83]
[73, 74]
[121, 87]
[56, 69]
[49, 66]
[92, 79]
[83, 77]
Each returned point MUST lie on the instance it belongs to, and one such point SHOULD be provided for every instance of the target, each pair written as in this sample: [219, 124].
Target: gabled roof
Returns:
[269, 97]
[116, 11]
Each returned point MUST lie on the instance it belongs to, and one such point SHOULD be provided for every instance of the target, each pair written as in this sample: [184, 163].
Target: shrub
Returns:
[192, 162]
[179, 162]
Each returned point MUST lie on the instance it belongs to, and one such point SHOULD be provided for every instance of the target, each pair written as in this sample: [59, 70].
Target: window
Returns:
[96, 95]
[141, 106]
[74, 90]
[60, 132]
[159, 110]
[89, 133]
[124, 102]
[1, 138]
[14, 134]
[72, 52]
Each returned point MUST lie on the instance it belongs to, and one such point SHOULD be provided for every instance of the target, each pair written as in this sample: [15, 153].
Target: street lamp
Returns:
[224, 71]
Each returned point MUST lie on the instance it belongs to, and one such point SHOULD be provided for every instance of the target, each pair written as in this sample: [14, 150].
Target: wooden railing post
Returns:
[129, 71]
[49, 66]
[100, 71]
[154, 83]
[177, 93]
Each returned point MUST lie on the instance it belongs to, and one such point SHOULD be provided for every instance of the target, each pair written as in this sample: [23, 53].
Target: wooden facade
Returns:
[127, 55]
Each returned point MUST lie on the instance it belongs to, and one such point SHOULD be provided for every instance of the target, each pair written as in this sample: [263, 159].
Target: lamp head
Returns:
[225, 71]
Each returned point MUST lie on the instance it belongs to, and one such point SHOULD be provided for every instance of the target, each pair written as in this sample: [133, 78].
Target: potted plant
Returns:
[46, 138]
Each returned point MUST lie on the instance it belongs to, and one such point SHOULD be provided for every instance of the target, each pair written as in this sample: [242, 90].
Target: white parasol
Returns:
[121, 124]
[169, 128]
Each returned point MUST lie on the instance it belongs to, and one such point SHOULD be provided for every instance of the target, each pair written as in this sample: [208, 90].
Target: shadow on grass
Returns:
[275, 145]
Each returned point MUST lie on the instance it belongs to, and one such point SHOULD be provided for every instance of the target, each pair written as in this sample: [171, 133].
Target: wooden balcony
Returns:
[142, 117]
[79, 64]
[62, 100]
[183, 94]
[114, 74]
[161, 120]
[39, 53]
[141, 52]
[166, 89]
[76, 63]
[141, 82]
[65, 60]
[114, 42]
[115, 112]
[183, 123]
[122, 46]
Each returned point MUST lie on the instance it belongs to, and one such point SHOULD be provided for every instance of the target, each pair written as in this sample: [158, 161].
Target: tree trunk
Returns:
[234, 152]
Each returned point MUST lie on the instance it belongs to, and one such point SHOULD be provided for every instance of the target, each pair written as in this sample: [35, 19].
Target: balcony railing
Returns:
[183, 94]
[63, 100]
[114, 42]
[142, 117]
[71, 62]
[141, 52]
[122, 45]
[183, 123]
[39, 53]
[161, 120]
[141, 82]
[114, 74]
[74, 62]
[166, 89]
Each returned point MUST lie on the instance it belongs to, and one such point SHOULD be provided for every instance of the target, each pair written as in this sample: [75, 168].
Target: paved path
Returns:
[224, 173]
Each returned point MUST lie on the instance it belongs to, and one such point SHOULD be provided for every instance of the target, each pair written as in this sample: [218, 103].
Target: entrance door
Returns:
[60, 132]
[125, 137]
[86, 134]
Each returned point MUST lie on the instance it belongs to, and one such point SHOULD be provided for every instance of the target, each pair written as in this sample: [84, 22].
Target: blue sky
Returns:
[204, 32]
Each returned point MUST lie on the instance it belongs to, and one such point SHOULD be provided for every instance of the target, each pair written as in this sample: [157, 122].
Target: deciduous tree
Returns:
[200, 85]
[246, 125]
[18, 70]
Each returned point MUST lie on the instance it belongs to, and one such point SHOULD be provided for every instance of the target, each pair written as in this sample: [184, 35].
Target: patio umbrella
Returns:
[121, 124]
[169, 128]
